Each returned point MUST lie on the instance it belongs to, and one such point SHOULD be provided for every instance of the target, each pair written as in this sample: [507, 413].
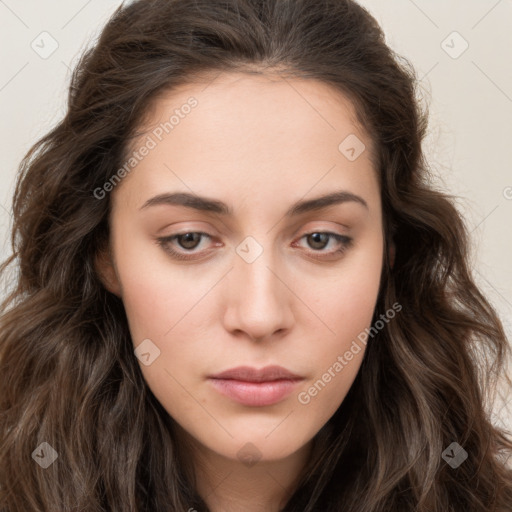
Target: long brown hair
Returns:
[68, 374]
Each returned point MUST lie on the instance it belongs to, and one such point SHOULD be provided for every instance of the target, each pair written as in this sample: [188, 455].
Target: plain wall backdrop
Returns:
[460, 49]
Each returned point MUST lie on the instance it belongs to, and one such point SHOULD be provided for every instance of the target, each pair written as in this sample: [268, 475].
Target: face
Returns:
[255, 274]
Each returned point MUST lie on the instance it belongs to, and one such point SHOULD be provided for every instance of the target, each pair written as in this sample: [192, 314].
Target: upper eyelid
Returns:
[322, 229]
[198, 231]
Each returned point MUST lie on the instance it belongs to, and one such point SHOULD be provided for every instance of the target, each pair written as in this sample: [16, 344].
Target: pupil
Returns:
[189, 237]
[317, 238]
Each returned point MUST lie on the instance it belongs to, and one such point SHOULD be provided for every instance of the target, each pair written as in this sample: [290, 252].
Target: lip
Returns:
[256, 387]
[249, 374]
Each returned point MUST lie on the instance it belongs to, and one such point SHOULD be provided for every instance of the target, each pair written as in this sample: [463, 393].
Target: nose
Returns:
[259, 298]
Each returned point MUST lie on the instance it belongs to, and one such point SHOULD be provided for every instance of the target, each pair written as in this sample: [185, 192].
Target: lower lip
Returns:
[255, 394]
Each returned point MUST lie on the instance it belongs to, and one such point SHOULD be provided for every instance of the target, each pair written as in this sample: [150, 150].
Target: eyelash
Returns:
[345, 241]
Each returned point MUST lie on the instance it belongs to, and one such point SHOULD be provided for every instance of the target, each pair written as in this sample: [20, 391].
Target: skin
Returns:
[259, 144]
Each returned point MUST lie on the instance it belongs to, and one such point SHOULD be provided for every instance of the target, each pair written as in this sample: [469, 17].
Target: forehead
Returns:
[249, 102]
[240, 132]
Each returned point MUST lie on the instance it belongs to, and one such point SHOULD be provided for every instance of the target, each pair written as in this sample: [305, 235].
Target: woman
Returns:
[236, 289]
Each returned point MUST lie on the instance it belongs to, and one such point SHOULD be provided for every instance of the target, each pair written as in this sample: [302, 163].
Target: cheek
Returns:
[339, 355]
[156, 294]
[346, 306]
[347, 302]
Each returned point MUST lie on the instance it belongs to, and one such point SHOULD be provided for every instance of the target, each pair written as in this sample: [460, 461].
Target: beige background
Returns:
[469, 92]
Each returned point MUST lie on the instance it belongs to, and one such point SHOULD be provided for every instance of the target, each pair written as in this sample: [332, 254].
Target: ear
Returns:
[104, 265]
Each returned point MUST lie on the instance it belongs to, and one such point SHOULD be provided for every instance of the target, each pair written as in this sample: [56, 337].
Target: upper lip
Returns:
[248, 374]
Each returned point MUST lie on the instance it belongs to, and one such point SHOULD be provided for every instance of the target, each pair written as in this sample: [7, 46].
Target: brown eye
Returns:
[188, 240]
[181, 246]
[319, 240]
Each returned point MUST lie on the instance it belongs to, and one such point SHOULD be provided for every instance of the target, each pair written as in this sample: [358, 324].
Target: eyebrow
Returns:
[206, 204]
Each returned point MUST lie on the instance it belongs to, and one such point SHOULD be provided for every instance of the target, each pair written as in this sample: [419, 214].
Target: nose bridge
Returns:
[255, 270]
[258, 299]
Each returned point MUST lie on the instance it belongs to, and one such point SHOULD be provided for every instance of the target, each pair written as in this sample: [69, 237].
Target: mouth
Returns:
[256, 388]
